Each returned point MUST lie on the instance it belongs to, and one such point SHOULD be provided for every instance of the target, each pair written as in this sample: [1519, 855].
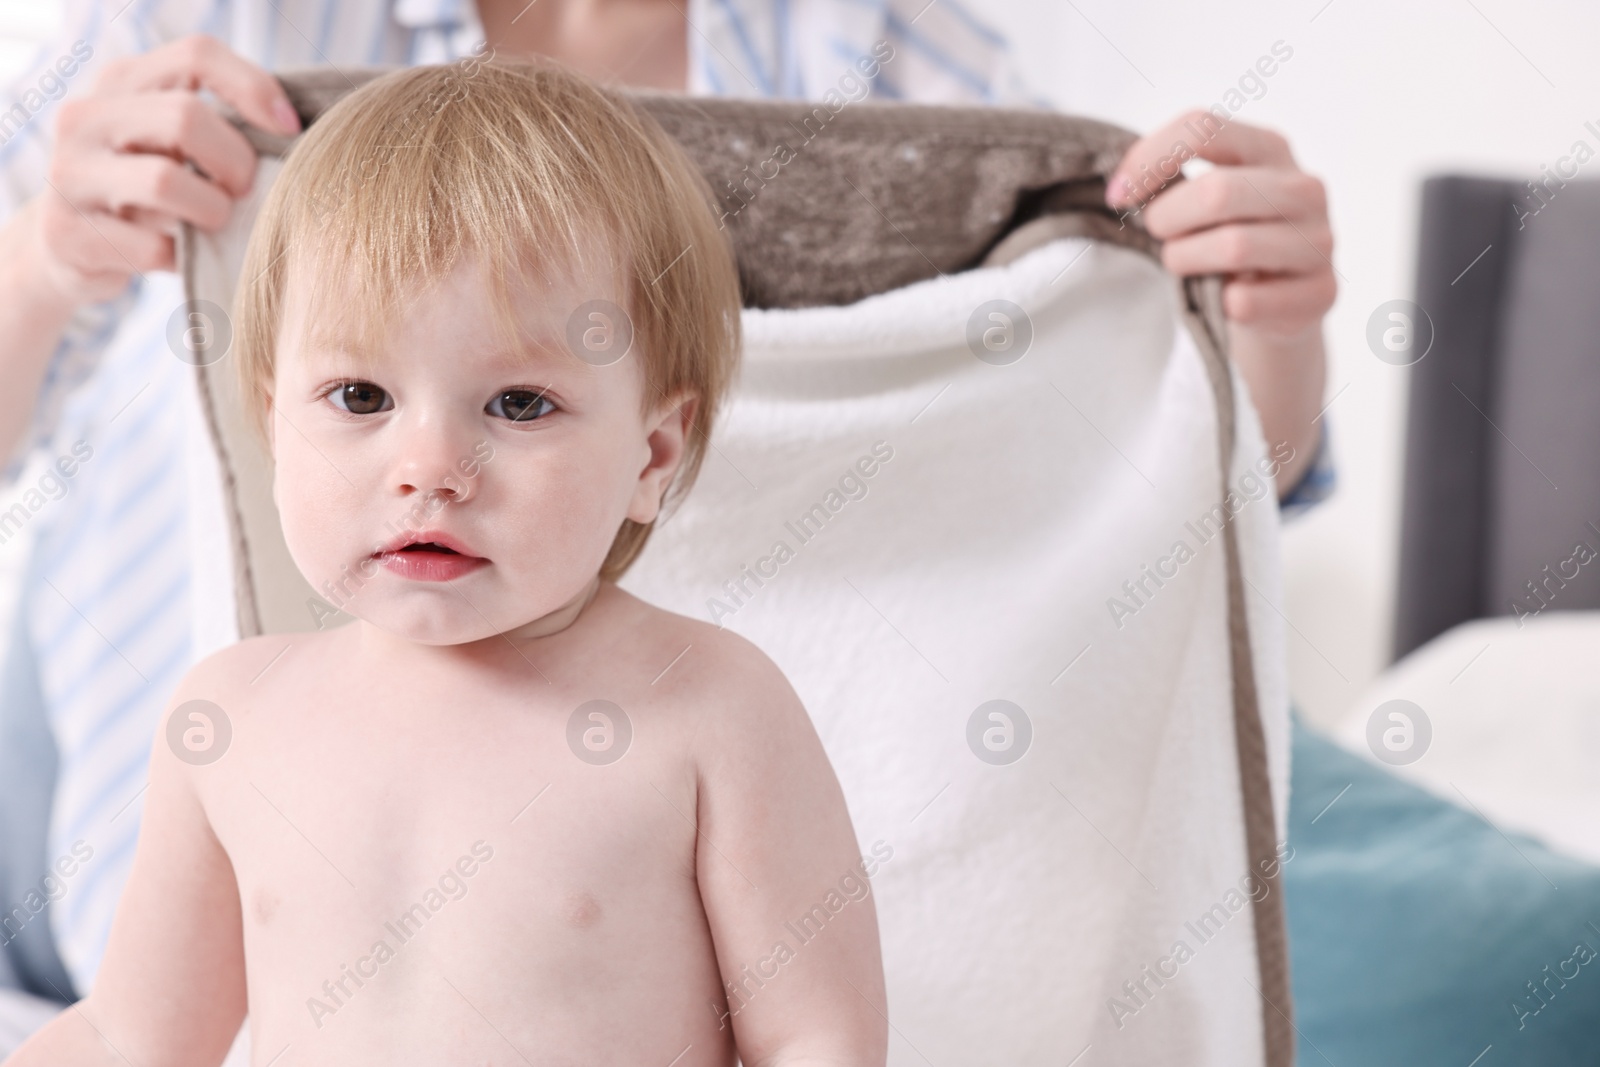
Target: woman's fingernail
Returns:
[1116, 190]
[288, 121]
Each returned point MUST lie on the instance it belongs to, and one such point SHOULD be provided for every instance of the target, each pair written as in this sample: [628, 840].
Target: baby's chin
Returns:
[434, 621]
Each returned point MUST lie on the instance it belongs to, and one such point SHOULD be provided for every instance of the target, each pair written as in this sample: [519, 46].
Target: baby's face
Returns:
[525, 462]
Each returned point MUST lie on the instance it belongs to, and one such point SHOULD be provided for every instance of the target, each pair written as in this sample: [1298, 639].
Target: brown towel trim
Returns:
[1202, 302]
[209, 380]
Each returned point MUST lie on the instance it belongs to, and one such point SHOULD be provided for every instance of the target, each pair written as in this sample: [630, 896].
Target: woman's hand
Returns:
[1261, 221]
[118, 183]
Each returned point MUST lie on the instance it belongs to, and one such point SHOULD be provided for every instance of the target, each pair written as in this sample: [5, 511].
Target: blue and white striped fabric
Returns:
[113, 592]
[109, 615]
[941, 54]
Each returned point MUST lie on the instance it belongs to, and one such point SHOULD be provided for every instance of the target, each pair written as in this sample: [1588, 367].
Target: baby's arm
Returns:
[171, 988]
[775, 845]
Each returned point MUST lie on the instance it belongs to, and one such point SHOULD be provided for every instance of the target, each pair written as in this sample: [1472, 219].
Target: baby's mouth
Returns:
[420, 542]
[429, 556]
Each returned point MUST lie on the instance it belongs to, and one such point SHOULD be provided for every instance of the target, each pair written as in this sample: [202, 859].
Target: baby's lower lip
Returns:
[430, 566]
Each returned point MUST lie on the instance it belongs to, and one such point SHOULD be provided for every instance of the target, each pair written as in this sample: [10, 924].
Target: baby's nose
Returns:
[434, 463]
[450, 486]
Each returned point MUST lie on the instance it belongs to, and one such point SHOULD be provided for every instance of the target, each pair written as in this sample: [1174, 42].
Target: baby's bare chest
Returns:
[383, 843]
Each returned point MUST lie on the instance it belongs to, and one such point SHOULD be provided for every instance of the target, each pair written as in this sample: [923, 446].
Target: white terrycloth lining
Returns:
[978, 566]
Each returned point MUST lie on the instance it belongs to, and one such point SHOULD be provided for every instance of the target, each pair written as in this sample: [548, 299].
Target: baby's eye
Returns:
[360, 398]
[520, 405]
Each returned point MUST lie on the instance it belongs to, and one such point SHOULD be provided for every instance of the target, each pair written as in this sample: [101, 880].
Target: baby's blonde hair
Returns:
[522, 164]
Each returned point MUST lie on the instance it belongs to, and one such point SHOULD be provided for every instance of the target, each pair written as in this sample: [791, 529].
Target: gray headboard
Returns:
[1502, 468]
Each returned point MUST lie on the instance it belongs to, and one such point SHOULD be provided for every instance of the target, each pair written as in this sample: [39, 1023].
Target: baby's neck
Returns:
[559, 619]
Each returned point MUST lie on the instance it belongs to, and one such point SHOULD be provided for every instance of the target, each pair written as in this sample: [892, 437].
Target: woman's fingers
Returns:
[1260, 247]
[1283, 304]
[1256, 218]
[1155, 159]
[145, 218]
[172, 122]
[200, 60]
[118, 182]
[95, 244]
[1237, 194]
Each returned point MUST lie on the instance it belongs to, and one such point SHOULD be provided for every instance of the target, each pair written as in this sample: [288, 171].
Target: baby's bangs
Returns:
[395, 197]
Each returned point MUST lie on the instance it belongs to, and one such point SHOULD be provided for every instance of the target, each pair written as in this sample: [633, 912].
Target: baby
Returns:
[510, 814]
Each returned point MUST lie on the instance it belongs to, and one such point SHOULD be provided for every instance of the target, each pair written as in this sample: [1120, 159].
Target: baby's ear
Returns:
[667, 435]
[272, 430]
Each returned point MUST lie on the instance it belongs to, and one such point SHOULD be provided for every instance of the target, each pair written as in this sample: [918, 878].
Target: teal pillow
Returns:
[1420, 935]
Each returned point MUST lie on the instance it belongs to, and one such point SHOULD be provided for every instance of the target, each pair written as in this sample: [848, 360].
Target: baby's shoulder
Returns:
[207, 706]
[707, 664]
[228, 672]
[743, 719]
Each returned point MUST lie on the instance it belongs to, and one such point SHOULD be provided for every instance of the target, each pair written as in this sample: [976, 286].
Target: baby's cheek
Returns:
[313, 502]
[565, 521]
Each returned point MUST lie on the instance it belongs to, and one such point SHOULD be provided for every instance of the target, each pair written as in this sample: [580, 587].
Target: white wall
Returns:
[1377, 96]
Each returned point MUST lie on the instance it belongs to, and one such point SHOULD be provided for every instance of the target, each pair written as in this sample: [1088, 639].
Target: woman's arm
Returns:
[33, 317]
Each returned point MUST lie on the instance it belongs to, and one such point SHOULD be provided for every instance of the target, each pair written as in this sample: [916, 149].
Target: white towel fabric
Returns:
[1005, 508]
